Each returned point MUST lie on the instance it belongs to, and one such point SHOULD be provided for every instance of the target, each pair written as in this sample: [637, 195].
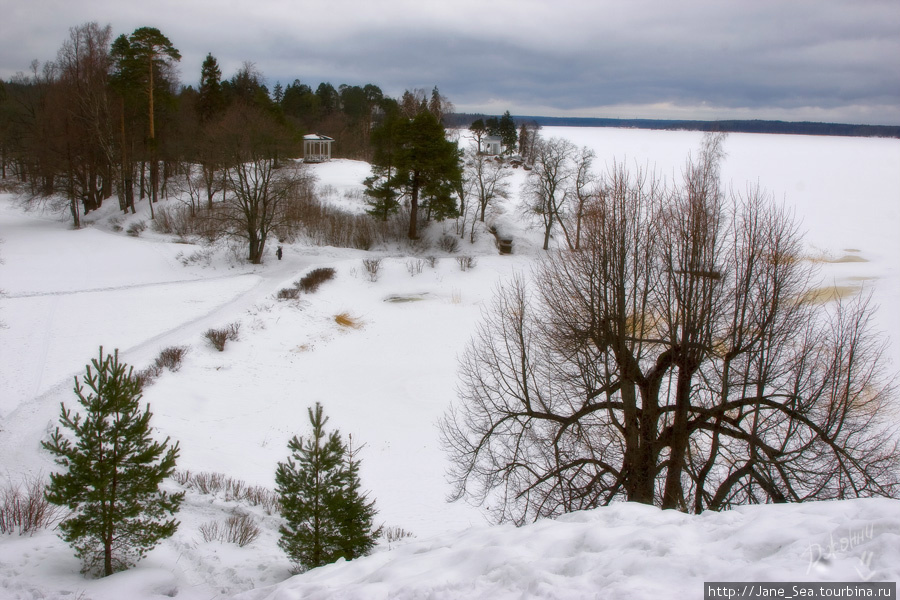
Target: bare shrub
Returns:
[174, 219]
[465, 262]
[354, 194]
[291, 293]
[199, 257]
[231, 489]
[327, 190]
[239, 528]
[210, 531]
[148, 375]
[415, 266]
[136, 228]
[449, 243]
[171, 357]
[363, 234]
[218, 337]
[182, 477]
[372, 267]
[432, 261]
[312, 280]
[326, 225]
[395, 534]
[24, 509]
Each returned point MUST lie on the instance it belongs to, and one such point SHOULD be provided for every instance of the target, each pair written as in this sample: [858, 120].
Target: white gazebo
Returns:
[316, 148]
[492, 145]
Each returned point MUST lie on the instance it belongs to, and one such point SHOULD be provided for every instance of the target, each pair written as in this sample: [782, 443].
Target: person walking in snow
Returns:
[278, 253]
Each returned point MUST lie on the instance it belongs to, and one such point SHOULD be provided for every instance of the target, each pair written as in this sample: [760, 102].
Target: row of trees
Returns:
[113, 468]
[108, 117]
[676, 356]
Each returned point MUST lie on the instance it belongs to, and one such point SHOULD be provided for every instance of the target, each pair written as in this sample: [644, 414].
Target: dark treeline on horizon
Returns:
[727, 126]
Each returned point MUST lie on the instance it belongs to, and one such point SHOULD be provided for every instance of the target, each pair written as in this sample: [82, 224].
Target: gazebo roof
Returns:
[315, 137]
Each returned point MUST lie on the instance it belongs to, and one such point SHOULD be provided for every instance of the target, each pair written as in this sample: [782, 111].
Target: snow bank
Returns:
[623, 551]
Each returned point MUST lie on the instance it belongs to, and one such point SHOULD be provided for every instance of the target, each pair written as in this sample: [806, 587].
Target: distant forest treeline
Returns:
[731, 126]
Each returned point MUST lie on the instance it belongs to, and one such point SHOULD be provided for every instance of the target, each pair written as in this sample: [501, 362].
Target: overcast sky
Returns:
[816, 60]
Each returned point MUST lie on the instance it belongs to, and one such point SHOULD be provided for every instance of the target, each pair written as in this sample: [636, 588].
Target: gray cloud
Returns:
[798, 60]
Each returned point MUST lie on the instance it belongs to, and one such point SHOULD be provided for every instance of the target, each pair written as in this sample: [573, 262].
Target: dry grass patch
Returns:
[851, 256]
[823, 295]
[347, 320]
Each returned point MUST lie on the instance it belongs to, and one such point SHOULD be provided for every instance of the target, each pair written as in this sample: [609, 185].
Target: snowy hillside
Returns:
[387, 380]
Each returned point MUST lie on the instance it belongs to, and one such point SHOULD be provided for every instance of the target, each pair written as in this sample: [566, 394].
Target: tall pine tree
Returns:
[113, 471]
[326, 516]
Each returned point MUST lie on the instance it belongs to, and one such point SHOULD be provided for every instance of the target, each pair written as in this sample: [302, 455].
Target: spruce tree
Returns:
[211, 100]
[326, 515]
[113, 471]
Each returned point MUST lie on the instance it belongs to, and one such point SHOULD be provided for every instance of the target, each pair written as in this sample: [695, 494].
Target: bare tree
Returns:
[84, 63]
[259, 190]
[674, 360]
[489, 179]
[548, 185]
[584, 188]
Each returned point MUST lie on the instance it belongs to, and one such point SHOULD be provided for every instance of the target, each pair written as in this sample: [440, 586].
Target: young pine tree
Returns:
[326, 516]
[355, 514]
[113, 471]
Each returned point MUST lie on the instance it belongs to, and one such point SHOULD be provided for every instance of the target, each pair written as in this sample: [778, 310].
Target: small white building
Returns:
[316, 148]
[492, 145]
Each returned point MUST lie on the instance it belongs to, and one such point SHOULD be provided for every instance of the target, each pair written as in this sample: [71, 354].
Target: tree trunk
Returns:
[414, 207]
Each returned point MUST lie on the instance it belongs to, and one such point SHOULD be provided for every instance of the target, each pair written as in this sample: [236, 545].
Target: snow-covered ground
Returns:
[388, 381]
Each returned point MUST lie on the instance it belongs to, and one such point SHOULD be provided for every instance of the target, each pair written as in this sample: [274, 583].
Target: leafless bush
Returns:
[395, 534]
[291, 293]
[449, 243]
[136, 228]
[354, 194]
[23, 508]
[174, 219]
[327, 191]
[199, 257]
[465, 262]
[218, 337]
[147, 376]
[372, 267]
[239, 529]
[171, 357]
[326, 225]
[312, 280]
[210, 531]
[415, 266]
[432, 261]
[231, 489]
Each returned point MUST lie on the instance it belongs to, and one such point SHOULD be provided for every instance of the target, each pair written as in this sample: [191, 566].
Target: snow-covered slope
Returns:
[623, 551]
[387, 382]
